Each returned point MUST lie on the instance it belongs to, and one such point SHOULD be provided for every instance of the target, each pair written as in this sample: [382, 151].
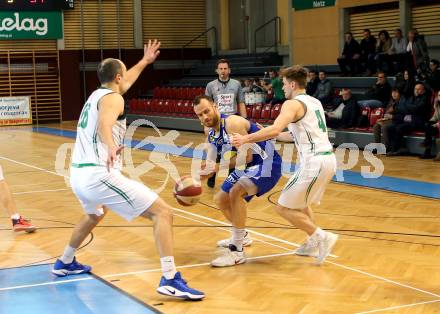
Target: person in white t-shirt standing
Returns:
[228, 95]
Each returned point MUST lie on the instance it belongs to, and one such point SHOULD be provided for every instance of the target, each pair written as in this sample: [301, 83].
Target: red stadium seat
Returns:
[375, 115]
[256, 111]
[249, 110]
[265, 113]
[364, 122]
[275, 111]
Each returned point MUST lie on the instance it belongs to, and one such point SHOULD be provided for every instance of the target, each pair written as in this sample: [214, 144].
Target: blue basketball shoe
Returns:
[60, 269]
[178, 288]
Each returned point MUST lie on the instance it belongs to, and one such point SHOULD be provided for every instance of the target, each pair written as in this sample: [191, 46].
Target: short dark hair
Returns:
[296, 73]
[395, 89]
[223, 61]
[198, 98]
[435, 61]
[367, 30]
[349, 33]
[108, 69]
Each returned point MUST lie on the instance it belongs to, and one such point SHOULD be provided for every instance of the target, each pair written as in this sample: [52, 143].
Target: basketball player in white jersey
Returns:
[97, 182]
[303, 115]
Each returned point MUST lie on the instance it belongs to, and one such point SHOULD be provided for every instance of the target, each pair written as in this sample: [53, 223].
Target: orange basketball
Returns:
[187, 191]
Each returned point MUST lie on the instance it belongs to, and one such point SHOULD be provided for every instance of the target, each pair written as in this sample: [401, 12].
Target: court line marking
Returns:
[129, 273]
[229, 231]
[248, 229]
[327, 261]
[40, 191]
[398, 307]
[262, 234]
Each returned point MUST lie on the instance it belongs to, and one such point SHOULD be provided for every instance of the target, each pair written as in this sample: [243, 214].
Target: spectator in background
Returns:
[247, 86]
[346, 114]
[382, 50]
[397, 52]
[312, 83]
[368, 47]
[412, 116]
[432, 78]
[324, 91]
[257, 86]
[432, 129]
[417, 53]
[379, 94]
[380, 128]
[276, 84]
[350, 56]
[406, 86]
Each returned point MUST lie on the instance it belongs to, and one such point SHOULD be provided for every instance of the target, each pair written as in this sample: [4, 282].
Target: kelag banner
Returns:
[30, 25]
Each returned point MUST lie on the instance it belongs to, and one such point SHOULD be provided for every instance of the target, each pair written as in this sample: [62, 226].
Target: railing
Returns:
[213, 28]
[277, 31]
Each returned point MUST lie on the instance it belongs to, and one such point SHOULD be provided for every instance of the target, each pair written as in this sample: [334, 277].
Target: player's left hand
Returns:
[151, 51]
[237, 140]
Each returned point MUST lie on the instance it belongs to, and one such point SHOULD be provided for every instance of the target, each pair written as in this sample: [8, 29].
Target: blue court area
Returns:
[413, 187]
[35, 290]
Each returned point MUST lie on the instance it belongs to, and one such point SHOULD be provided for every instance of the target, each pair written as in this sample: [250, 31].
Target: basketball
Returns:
[187, 191]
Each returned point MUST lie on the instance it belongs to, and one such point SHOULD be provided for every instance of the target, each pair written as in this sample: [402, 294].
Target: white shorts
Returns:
[308, 183]
[95, 186]
[1, 174]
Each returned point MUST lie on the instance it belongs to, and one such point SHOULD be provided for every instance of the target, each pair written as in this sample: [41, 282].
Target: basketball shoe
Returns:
[325, 246]
[23, 224]
[308, 248]
[247, 241]
[230, 257]
[178, 288]
[60, 269]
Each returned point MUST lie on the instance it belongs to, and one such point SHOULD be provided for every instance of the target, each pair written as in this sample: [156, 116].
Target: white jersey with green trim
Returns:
[89, 150]
[310, 132]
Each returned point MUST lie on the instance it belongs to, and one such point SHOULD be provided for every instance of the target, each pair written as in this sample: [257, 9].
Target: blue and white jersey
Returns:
[263, 152]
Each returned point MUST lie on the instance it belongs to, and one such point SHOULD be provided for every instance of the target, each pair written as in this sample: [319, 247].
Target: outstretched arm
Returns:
[151, 51]
[291, 111]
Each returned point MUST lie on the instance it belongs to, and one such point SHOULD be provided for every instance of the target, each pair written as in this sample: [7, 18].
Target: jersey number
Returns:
[321, 122]
[84, 118]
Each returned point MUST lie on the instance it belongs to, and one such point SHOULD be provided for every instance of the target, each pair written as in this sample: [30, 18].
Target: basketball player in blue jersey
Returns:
[99, 185]
[303, 115]
[260, 172]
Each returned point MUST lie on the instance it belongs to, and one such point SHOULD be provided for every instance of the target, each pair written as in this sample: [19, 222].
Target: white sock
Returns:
[318, 234]
[168, 267]
[238, 237]
[68, 255]
[15, 216]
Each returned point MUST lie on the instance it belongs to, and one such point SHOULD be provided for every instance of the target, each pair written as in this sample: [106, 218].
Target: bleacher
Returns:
[170, 106]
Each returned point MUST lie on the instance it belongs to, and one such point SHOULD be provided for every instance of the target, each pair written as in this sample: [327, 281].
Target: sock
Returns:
[168, 267]
[318, 234]
[68, 255]
[238, 237]
[15, 216]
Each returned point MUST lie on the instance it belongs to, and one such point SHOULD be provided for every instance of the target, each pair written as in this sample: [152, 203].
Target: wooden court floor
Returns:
[387, 259]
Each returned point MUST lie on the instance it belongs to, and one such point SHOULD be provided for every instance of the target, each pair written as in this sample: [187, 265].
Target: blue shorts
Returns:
[265, 179]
